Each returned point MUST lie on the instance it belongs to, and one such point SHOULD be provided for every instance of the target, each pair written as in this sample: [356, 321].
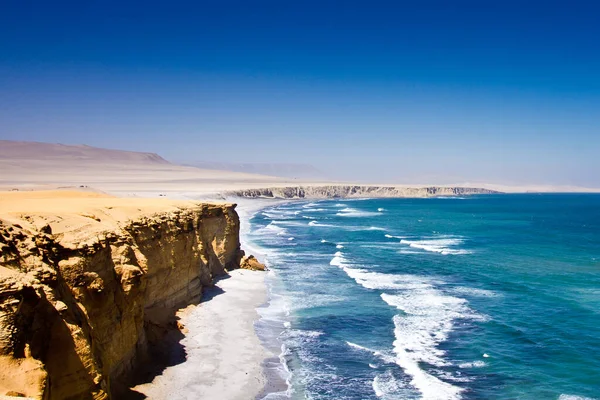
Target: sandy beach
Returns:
[224, 355]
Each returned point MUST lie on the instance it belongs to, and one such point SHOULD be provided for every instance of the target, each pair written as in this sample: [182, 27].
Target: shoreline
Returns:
[220, 344]
[276, 385]
[221, 341]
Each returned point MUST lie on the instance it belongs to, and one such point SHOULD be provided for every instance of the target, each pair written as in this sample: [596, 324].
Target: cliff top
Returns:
[76, 215]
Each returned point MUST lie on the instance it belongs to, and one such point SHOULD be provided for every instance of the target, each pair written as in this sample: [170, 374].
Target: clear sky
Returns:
[398, 91]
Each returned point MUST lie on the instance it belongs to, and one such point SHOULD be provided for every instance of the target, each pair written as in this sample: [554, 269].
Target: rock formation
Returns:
[345, 191]
[251, 263]
[81, 313]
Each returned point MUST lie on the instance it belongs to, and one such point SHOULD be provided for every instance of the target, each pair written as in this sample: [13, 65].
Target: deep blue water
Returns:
[483, 297]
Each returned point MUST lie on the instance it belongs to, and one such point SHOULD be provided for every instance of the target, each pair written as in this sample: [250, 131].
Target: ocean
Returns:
[479, 297]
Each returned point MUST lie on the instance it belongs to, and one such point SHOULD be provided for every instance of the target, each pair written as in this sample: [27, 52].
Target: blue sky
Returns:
[403, 92]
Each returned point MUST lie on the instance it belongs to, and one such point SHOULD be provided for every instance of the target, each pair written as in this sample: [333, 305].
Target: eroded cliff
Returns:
[349, 191]
[88, 298]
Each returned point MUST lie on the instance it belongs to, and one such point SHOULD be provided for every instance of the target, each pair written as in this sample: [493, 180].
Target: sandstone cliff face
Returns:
[79, 314]
[341, 191]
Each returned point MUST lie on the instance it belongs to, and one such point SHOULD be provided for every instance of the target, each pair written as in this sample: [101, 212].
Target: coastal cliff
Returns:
[88, 298]
[349, 191]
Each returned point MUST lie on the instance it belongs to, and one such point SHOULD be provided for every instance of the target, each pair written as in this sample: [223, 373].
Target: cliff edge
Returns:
[350, 191]
[89, 286]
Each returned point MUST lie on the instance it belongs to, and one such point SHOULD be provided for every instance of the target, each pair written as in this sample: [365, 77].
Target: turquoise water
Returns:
[483, 297]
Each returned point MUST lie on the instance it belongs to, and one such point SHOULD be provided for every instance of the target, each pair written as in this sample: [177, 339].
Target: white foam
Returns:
[405, 251]
[573, 397]
[377, 280]
[448, 376]
[308, 217]
[324, 241]
[272, 228]
[278, 214]
[358, 347]
[290, 238]
[431, 388]
[315, 223]
[304, 334]
[386, 358]
[338, 260]
[474, 364]
[362, 228]
[353, 212]
[428, 317]
[299, 301]
[287, 222]
[309, 205]
[287, 373]
[388, 387]
[381, 209]
[339, 246]
[474, 292]
[394, 237]
[443, 246]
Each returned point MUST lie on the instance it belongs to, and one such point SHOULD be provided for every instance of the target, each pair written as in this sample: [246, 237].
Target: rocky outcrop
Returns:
[78, 318]
[251, 263]
[341, 191]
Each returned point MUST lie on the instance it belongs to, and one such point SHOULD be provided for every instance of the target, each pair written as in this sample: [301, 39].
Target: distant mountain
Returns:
[284, 170]
[37, 151]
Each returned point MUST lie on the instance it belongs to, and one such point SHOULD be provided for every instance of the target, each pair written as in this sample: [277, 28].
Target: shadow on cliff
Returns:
[164, 334]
